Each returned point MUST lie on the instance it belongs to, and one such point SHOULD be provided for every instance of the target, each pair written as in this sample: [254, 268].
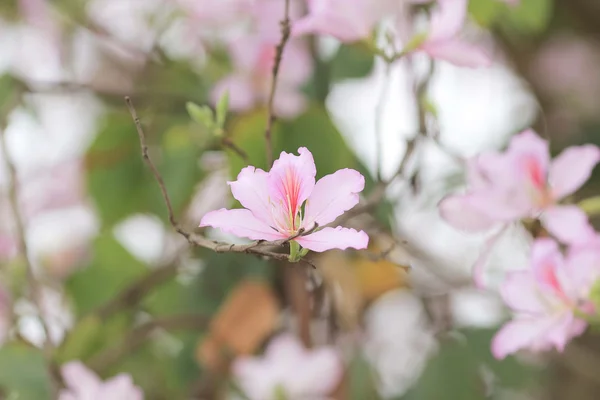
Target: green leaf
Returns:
[530, 16]
[82, 340]
[456, 371]
[203, 115]
[222, 108]
[351, 62]
[24, 373]
[111, 269]
[487, 12]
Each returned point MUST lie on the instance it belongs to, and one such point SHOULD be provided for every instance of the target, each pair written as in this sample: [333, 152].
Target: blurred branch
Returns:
[285, 35]
[135, 292]
[138, 335]
[226, 142]
[34, 287]
[379, 108]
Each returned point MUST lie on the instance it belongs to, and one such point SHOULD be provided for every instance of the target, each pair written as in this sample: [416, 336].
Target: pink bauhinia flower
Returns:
[521, 183]
[546, 297]
[250, 83]
[346, 20]
[273, 204]
[443, 42]
[290, 371]
[83, 384]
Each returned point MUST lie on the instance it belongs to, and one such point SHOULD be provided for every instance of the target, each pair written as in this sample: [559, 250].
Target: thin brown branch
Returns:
[141, 333]
[34, 287]
[285, 35]
[230, 144]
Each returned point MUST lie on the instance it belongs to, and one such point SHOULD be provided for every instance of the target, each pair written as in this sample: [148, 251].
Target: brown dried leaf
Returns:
[243, 322]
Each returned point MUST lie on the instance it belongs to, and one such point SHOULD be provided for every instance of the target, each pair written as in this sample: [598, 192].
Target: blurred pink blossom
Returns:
[443, 41]
[288, 367]
[83, 384]
[545, 297]
[273, 204]
[566, 69]
[521, 183]
[250, 83]
[346, 20]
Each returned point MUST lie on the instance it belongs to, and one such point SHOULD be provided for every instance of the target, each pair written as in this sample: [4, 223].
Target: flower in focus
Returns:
[83, 384]
[545, 298]
[290, 371]
[523, 182]
[273, 204]
[347, 21]
[442, 41]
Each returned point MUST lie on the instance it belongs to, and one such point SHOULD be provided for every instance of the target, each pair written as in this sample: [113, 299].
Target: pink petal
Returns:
[289, 102]
[572, 168]
[482, 261]
[448, 19]
[80, 380]
[120, 387]
[251, 190]
[241, 92]
[334, 238]
[457, 52]
[255, 377]
[519, 291]
[521, 334]
[533, 157]
[462, 212]
[569, 224]
[285, 346]
[348, 21]
[317, 375]
[291, 180]
[333, 195]
[240, 223]
[582, 269]
[547, 264]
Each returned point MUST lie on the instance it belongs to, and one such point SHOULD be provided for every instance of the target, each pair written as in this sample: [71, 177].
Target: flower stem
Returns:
[294, 251]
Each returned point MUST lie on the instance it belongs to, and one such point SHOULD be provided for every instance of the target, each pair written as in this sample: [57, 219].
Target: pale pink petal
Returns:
[533, 157]
[521, 333]
[255, 377]
[240, 223]
[333, 195]
[563, 330]
[347, 21]
[547, 264]
[582, 269]
[285, 346]
[572, 168]
[457, 52]
[462, 212]
[251, 190]
[334, 238]
[569, 224]
[448, 19]
[80, 381]
[317, 375]
[519, 291]
[289, 102]
[242, 96]
[483, 258]
[296, 65]
[120, 387]
[291, 180]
